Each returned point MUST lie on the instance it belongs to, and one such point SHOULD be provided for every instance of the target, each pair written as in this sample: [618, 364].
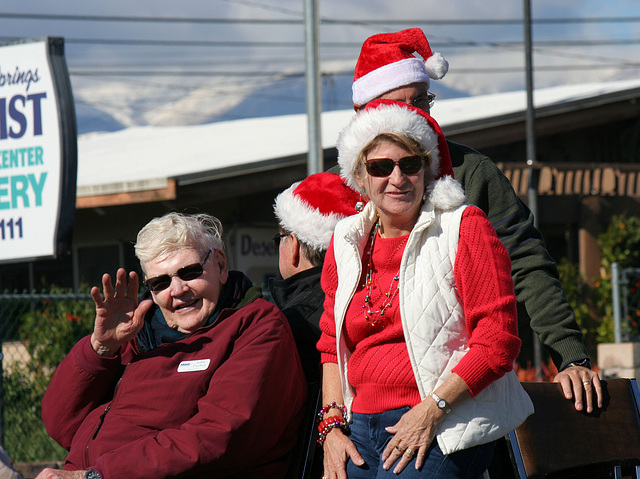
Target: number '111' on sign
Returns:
[10, 229]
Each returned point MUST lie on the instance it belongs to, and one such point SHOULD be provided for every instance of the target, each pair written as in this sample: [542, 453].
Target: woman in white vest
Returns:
[419, 332]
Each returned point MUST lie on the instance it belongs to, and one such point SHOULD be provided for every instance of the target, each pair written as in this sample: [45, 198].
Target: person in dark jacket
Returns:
[387, 69]
[202, 379]
[307, 213]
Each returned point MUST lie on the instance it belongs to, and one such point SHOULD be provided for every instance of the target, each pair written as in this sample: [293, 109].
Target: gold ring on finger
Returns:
[400, 449]
[409, 451]
[586, 383]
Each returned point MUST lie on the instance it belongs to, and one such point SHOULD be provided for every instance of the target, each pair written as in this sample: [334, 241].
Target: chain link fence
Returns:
[36, 332]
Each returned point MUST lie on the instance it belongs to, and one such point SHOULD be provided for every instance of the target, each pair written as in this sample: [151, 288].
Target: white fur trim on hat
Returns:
[368, 124]
[307, 223]
[446, 194]
[389, 77]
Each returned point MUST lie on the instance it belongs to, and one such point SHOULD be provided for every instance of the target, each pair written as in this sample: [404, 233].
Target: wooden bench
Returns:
[559, 442]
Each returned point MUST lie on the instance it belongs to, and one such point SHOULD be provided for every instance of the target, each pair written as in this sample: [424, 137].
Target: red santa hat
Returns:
[311, 208]
[386, 62]
[388, 116]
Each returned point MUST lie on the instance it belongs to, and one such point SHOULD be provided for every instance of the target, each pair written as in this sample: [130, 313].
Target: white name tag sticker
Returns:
[190, 366]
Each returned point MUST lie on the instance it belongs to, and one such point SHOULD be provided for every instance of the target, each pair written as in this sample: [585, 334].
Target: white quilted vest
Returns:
[433, 323]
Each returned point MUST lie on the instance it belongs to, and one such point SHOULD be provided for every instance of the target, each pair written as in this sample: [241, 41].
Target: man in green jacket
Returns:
[388, 69]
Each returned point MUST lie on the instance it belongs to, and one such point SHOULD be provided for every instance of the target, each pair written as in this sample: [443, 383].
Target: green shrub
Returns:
[49, 329]
[26, 439]
[619, 243]
[591, 298]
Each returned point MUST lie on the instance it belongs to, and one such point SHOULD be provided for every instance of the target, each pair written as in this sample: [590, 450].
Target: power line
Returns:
[329, 21]
[547, 68]
[205, 73]
[543, 43]
[264, 6]
[173, 73]
[117, 18]
[293, 44]
[487, 21]
[185, 43]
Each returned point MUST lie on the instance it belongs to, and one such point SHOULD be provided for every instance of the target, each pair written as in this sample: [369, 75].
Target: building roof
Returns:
[148, 158]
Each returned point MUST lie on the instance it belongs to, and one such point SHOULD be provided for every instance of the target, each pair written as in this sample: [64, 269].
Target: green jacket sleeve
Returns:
[535, 274]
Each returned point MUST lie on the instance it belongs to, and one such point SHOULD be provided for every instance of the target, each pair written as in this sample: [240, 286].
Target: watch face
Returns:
[441, 404]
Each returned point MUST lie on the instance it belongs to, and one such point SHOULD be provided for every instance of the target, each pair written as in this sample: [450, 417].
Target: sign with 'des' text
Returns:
[252, 251]
[38, 151]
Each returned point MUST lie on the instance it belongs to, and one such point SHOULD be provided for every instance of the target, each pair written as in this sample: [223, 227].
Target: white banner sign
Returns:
[33, 158]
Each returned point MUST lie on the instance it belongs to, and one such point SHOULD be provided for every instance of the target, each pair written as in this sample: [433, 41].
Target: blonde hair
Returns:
[174, 231]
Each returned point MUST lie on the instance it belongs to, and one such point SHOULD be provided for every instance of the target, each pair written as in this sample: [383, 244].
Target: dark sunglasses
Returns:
[186, 273]
[276, 238]
[382, 167]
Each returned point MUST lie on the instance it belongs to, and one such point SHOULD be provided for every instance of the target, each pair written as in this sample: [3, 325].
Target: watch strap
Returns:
[584, 363]
[441, 403]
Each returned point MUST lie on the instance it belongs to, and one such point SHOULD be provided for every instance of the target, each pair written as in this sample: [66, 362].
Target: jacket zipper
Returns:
[102, 417]
[95, 434]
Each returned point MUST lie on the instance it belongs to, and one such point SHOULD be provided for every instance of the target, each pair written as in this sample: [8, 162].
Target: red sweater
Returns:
[379, 367]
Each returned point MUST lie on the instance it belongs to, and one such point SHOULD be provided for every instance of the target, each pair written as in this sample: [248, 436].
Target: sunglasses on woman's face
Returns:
[381, 167]
[186, 273]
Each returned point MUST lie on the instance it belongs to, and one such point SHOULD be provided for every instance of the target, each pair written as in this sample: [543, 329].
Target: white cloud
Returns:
[153, 100]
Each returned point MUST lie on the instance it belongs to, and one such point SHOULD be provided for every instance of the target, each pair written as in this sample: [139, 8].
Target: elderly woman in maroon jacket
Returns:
[200, 380]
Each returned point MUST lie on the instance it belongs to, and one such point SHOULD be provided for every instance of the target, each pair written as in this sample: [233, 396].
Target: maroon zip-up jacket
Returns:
[224, 402]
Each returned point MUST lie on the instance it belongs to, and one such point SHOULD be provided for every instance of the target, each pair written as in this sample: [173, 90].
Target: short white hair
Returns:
[174, 231]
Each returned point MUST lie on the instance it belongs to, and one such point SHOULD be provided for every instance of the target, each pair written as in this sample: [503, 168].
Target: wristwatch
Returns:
[441, 403]
[584, 362]
[91, 474]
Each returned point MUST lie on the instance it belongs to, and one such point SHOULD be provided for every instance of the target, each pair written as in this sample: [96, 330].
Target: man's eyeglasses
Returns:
[382, 167]
[424, 100]
[276, 239]
[186, 273]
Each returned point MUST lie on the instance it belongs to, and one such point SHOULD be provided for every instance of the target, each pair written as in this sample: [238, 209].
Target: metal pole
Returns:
[615, 293]
[533, 172]
[315, 160]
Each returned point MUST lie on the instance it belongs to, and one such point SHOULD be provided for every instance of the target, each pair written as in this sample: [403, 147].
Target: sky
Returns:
[190, 61]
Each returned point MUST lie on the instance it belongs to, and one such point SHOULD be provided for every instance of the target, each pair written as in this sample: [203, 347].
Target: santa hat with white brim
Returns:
[387, 62]
[311, 208]
[388, 116]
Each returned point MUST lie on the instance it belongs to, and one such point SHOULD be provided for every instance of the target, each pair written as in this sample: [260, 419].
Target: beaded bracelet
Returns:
[333, 405]
[327, 425]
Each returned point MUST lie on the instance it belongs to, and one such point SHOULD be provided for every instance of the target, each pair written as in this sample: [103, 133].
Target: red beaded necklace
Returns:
[376, 317]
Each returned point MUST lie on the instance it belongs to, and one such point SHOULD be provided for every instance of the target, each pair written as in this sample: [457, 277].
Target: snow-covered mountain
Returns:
[112, 107]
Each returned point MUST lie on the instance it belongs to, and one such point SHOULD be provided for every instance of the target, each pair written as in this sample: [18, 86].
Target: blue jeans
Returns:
[370, 437]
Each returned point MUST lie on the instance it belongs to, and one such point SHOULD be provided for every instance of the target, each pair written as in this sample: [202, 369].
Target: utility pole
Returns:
[315, 158]
[533, 170]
